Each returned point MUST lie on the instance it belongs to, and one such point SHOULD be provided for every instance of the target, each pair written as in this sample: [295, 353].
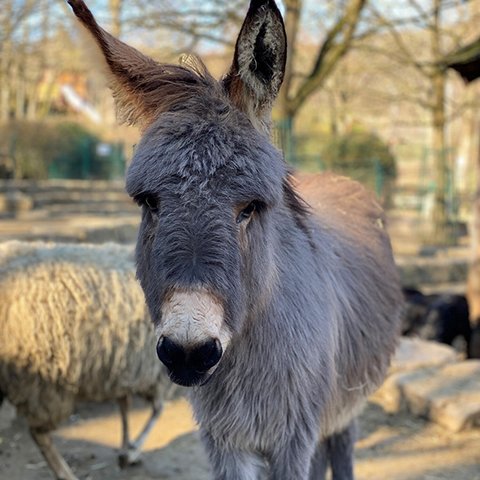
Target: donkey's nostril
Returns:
[206, 356]
[188, 361]
[169, 352]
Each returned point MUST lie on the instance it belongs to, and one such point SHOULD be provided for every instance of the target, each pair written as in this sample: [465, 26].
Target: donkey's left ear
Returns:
[256, 74]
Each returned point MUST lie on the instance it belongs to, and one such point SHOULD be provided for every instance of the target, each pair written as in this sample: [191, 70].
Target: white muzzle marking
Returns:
[192, 318]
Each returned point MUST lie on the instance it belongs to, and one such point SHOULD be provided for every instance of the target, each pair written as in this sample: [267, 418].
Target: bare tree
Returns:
[215, 21]
[335, 23]
[433, 21]
[26, 30]
[333, 47]
[12, 15]
[466, 61]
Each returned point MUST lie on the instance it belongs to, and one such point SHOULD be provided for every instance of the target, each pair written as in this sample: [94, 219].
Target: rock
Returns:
[448, 395]
[414, 353]
[411, 355]
[14, 202]
[389, 395]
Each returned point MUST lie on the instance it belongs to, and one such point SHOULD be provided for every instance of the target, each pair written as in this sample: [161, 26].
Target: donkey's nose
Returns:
[199, 358]
[169, 352]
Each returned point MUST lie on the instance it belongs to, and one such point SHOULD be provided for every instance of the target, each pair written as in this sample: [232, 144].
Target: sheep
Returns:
[74, 327]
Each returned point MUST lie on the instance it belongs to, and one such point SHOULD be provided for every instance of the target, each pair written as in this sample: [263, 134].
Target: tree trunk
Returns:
[292, 22]
[4, 98]
[438, 83]
[284, 131]
[115, 7]
[284, 114]
[473, 284]
[336, 44]
[5, 81]
[440, 219]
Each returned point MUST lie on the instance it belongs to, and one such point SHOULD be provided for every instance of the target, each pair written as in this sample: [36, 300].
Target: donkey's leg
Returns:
[52, 456]
[340, 448]
[231, 464]
[131, 451]
[293, 460]
[319, 465]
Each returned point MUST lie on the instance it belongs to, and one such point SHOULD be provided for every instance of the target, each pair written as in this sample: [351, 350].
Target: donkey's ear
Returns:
[256, 74]
[129, 71]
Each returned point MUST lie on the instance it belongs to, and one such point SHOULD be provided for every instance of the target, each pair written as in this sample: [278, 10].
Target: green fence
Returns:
[95, 161]
[368, 171]
[57, 149]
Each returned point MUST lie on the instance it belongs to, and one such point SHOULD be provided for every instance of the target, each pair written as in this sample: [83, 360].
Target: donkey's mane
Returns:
[297, 206]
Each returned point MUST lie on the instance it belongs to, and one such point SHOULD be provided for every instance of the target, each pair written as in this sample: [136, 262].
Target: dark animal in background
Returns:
[439, 317]
[474, 351]
[281, 319]
[415, 311]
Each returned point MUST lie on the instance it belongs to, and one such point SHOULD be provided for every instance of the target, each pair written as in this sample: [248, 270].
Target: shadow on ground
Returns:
[398, 447]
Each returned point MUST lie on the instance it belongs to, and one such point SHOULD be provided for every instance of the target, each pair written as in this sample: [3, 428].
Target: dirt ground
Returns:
[398, 447]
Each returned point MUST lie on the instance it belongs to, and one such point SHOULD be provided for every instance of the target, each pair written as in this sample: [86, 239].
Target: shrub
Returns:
[358, 150]
[363, 156]
[36, 147]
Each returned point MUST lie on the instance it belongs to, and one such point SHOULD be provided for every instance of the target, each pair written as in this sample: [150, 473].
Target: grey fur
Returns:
[311, 299]
[74, 327]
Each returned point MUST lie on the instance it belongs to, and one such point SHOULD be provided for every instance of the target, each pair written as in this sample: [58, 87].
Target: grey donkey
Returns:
[281, 317]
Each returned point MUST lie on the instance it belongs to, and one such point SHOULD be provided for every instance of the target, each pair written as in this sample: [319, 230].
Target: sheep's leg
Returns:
[52, 455]
[124, 404]
[131, 451]
[340, 453]
[157, 408]
[231, 464]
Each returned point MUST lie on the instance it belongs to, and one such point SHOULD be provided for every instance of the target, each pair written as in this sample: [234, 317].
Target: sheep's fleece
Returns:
[73, 326]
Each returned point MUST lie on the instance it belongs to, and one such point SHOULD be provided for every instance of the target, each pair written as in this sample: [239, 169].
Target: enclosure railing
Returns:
[370, 172]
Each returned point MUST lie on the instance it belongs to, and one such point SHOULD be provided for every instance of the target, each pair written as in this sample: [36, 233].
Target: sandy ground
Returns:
[398, 447]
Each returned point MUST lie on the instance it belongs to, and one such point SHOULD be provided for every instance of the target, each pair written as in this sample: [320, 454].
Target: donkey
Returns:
[280, 316]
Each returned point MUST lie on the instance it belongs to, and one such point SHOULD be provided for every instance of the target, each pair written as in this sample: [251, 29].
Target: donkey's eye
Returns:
[150, 201]
[248, 211]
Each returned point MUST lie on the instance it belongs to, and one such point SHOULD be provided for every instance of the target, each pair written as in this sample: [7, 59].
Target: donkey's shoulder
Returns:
[340, 201]
[346, 211]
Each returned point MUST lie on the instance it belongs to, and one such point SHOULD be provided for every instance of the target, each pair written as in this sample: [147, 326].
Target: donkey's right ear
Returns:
[129, 71]
[258, 67]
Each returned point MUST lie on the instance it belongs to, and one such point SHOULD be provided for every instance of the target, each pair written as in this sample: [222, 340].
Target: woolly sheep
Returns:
[74, 327]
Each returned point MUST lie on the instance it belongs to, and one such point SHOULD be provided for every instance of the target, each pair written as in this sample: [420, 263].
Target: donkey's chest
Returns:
[238, 418]
[252, 410]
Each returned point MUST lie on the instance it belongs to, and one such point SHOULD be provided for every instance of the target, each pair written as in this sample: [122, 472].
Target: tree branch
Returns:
[334, 47]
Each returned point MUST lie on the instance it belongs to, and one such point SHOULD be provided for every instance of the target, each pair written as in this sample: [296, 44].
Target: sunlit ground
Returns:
[175, 421]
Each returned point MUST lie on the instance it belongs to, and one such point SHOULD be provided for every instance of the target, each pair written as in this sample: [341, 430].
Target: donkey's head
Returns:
[210, 184]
